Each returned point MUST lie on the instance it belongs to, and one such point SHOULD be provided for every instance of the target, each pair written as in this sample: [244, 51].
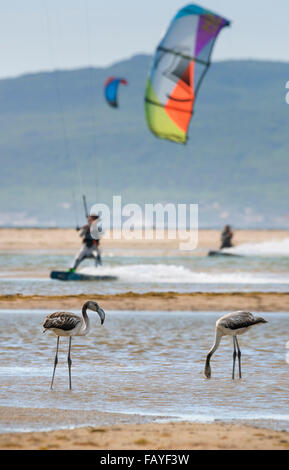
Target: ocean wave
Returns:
[272, 248]
[164, 273]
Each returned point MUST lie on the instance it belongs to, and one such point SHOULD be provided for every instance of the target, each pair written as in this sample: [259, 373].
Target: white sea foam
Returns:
[164, 273]
[272, 248]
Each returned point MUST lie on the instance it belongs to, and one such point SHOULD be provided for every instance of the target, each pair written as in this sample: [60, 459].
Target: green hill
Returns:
[59, 139]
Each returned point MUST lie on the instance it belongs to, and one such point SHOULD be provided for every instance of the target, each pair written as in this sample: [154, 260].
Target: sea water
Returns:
[143, 364]
[28, 272]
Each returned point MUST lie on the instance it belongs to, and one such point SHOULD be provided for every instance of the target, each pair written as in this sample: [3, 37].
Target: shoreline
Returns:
[155, 301]
[158, 436]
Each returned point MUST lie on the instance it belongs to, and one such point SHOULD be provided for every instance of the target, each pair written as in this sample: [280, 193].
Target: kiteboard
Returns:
[223, 253]
[73, 276]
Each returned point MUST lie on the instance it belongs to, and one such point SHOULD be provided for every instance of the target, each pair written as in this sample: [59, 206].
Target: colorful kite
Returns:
[180, 64]
[111, 90]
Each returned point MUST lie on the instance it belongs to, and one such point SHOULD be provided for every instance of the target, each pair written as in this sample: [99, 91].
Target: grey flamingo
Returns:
[233, 324]
[69, 324]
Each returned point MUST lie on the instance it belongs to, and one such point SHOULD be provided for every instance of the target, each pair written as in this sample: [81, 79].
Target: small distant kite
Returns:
[111, 90]
[180, 64]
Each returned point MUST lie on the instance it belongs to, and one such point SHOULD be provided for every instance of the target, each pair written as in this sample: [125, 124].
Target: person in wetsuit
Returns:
[90, 248]
[226, 237]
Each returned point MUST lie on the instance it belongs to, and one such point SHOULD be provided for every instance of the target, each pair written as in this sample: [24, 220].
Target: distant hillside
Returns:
[59, 139]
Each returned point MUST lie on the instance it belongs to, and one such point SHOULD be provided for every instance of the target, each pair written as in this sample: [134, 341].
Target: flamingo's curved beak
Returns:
[207, 370]
[101, 314]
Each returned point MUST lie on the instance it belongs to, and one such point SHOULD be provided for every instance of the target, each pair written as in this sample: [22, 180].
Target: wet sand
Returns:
[156, 301]
[157, 436]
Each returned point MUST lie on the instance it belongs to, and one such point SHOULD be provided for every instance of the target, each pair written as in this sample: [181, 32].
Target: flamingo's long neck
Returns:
[86, 323]
[218, 338]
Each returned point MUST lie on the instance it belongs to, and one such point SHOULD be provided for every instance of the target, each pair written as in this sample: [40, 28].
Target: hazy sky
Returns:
[47, 34]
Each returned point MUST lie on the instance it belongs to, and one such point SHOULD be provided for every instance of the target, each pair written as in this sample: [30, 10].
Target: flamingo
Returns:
[233, 324]
[69, 324]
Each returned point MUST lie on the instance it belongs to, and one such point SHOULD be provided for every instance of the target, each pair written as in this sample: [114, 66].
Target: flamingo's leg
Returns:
[234, 358]
[69, 362]
[239, 358]
[55, 362]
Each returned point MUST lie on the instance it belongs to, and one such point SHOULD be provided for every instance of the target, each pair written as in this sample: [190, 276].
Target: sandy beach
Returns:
[156, 301]
[15, 239]
[157, 436]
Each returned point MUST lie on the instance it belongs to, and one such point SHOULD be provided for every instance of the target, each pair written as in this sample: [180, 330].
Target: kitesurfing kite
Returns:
[180, 64]
[111, 90]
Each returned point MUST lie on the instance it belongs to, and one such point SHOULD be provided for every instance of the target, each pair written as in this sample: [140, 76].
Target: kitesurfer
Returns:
[226, 237]
[90, 248]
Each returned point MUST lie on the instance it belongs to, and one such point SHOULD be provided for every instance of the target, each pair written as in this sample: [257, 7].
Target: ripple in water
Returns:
[147, 363]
